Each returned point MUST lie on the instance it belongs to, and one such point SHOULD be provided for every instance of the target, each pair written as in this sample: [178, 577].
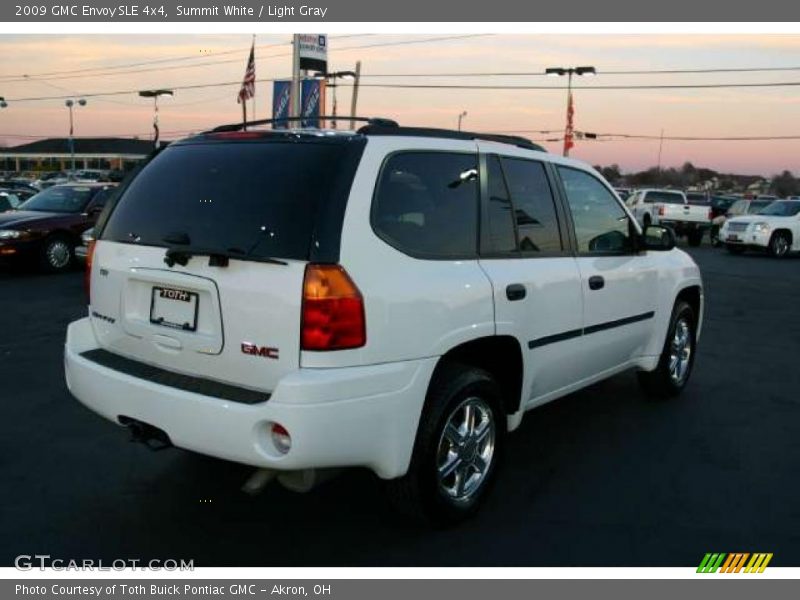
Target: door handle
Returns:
[515, 291]
[596, 282]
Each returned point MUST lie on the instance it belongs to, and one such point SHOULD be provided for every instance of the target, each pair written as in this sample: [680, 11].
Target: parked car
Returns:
[737, 209]
[623, 193]
[671, 208]
[8, 200]
[366, 323]
[46, 228]
[82, 249]
[775, 228]
[23, 185]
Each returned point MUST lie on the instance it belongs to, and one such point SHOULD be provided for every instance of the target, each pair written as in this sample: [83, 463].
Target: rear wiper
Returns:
[216, 258]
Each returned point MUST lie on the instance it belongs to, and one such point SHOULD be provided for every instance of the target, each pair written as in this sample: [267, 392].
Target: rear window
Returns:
[426, 204]
[261, 199]
[664, 197]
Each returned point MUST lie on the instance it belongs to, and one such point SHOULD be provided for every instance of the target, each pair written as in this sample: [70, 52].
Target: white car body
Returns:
[362, 406]
[757, 231]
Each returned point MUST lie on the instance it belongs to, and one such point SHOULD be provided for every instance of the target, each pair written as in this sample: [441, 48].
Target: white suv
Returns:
[394, 298]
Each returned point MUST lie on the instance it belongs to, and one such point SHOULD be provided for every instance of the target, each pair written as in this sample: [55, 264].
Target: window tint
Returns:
[756, 207]
[427, 203]
[535, 211]
[665, 197]
[260, 199]
[500, 226]
[601, 226]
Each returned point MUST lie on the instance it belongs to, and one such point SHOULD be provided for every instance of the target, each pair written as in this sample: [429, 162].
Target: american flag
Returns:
[249, 83]
[569, 132]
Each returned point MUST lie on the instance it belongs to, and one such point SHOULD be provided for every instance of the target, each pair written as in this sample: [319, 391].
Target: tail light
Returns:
[87, 274]
[710, 214]
[661, 211]
[333, 310]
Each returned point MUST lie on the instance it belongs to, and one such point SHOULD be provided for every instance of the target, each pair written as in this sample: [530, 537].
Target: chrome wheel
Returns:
[680, 352]
[466, 449]
[58, 254]
[780, 245]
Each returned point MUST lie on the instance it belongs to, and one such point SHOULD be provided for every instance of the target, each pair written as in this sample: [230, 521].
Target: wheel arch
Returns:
[499, 355]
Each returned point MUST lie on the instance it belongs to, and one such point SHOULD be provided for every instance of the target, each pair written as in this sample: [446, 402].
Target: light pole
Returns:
[69, 104]
[569, 72]
[331, 78]
[154, 94]
[460, 117]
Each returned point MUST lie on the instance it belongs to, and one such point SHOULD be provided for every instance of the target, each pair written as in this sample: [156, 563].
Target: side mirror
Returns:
[658, 237]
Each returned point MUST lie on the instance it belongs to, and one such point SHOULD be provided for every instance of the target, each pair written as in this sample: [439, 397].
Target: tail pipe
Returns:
[144, 433]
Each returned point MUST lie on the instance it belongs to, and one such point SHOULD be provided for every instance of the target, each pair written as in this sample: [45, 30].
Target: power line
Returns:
[22, 76]
[444, 86]
[114, 71]
[599, 72]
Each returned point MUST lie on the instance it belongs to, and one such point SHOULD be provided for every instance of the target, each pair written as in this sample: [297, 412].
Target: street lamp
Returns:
[460, 117]
[331, 78]
[70, 104]
[569, 72]
[154, 94]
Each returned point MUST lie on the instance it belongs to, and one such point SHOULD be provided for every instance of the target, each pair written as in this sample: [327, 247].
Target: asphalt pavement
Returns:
[601, 477]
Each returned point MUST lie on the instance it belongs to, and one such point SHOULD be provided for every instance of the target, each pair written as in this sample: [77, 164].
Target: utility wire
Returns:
[115, 71]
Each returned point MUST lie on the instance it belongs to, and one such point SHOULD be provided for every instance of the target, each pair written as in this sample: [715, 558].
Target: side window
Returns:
[601, 226]
[500, 234]
[648, 198]
[534, 207]
[426, 204]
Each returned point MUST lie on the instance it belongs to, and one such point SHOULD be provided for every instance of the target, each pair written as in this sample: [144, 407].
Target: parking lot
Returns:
[602, 477]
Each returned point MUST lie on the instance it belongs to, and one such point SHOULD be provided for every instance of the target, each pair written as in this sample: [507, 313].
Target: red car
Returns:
[45, 229]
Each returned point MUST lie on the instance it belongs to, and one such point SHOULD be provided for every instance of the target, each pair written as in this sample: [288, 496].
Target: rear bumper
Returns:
[681, 226]
[357, 416]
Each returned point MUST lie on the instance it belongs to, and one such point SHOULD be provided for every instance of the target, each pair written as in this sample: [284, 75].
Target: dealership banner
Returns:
[319, 11]
[281, 102]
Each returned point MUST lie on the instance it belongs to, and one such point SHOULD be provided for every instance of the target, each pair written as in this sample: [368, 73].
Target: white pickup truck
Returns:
[671, 208]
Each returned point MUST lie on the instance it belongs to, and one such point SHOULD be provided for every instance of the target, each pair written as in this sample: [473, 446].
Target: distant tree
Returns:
[785, 184]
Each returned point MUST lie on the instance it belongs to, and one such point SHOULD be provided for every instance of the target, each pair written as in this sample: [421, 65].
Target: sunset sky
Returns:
[195, 59]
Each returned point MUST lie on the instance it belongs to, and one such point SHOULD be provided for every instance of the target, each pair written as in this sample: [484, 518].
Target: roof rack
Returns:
[371, 121]
[515, 140]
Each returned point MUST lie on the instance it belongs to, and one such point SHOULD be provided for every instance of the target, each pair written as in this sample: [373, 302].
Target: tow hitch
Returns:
[144, 433]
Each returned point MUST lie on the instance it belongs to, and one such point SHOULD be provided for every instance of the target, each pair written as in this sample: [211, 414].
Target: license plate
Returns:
[174, 308]
[733, 238]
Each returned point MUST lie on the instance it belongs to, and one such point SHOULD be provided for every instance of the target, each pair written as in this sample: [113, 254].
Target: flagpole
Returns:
[254, 82]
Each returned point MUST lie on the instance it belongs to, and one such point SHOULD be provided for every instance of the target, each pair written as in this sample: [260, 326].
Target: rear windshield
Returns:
[258, 199]
[664, 197]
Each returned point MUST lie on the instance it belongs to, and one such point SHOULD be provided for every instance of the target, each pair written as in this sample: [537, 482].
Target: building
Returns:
[53, 154]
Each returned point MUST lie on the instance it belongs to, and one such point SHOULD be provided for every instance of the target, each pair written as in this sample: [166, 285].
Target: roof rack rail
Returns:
[515, 140]
[376, 121]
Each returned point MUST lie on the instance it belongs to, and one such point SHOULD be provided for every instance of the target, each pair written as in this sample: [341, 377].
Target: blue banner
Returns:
[313, 96]
[281, 101]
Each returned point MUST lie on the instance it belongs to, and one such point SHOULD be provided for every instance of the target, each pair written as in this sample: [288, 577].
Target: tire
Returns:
[713, 236]
[733, 249]
[780, 244]
[422, 493]
[668, 379]
[695, 237]
[57, 254]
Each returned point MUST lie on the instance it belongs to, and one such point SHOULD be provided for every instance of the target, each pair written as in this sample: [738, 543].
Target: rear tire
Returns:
[695, 237]
[57, 254]
[733, 249]
[677, 357]
[458, 446]
[779, 244]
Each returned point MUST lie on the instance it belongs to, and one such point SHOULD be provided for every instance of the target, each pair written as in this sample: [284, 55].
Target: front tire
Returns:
[57, 254]
[458, 446]
[779, 244]
[677, 357]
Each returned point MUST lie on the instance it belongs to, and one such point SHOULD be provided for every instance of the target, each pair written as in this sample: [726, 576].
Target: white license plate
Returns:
[174, 308]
